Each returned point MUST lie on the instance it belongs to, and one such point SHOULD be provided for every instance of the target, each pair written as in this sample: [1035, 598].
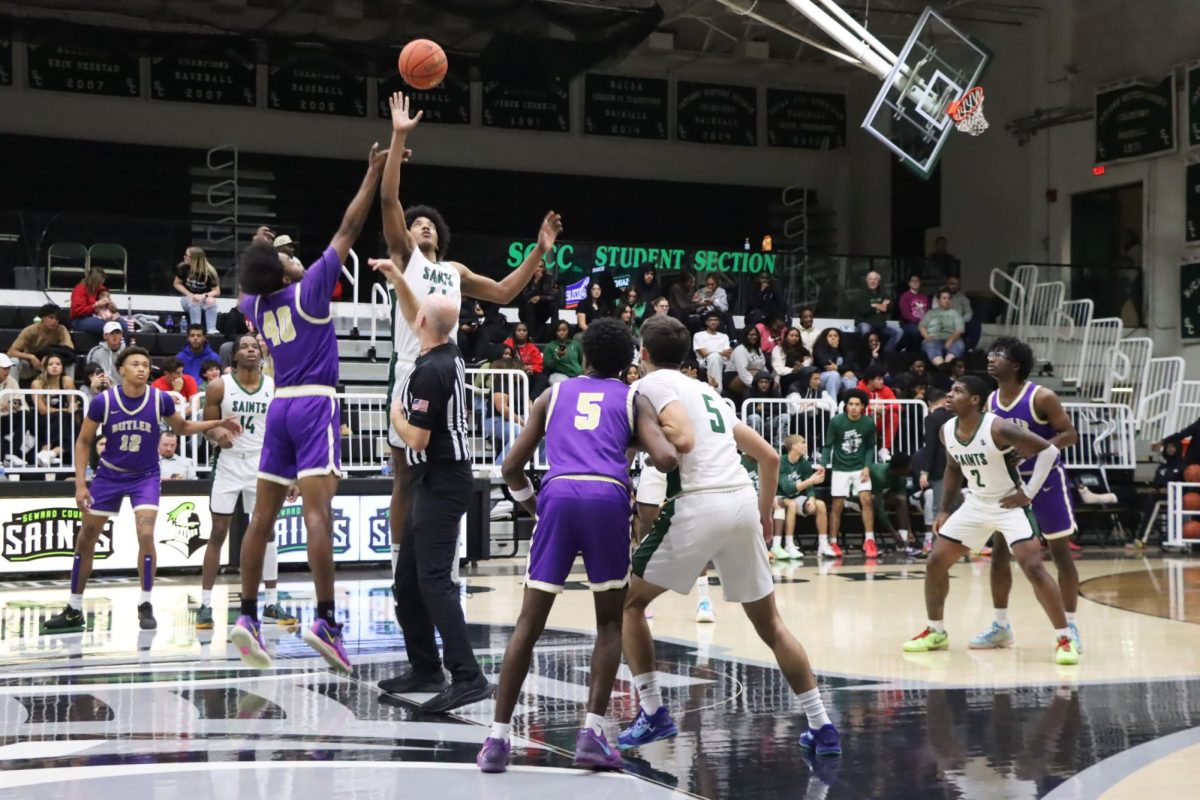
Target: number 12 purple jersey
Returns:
[589, 425]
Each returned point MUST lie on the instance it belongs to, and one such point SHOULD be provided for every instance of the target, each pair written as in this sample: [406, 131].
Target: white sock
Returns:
[810, 701]
[1002, 616]
[500, 730]
[206, 597]
[937, 626]
[822, 540]
[928, 537]
[596, 723]
[145, 597]
[272, 597]
[395, 556]
[870, 536]
[649, 695]
[1061, 632]
[1070, 617]
[702, 585]
[903, 535]
[776, 541]
[75, 601]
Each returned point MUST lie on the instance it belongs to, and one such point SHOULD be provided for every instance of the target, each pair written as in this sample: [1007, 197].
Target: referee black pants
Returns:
[425, 595]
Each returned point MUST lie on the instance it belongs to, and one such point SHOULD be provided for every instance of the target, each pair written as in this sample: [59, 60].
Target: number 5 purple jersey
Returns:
[589, 425]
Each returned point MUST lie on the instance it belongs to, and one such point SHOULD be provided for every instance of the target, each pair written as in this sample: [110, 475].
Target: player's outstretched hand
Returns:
[264, 234]
[1015, 499]
[232, 425]
[83, 499]
[403, 122]
[376, 160]
[385, 267]
[551, 227]
[939, 522]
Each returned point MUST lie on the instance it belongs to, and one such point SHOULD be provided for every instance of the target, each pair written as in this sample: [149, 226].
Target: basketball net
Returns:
[967, 112]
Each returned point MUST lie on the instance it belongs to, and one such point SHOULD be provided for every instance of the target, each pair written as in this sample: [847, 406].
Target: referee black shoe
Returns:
[410, 682]
[459, 694]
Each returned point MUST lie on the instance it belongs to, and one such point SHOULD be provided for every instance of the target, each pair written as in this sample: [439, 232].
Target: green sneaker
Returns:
[779, 554]
[204, 619]
[277, 614]
[927, 640]
[1066, 653]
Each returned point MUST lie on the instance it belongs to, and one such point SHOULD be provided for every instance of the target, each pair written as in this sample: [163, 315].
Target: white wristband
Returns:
[521, 495]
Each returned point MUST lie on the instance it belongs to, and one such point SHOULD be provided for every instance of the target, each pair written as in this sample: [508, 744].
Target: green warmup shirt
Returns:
[790, 474]
[751, 466]
[882, 481]
[850, 445]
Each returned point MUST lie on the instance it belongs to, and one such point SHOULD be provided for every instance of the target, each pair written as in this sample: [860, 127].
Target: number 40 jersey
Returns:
[714, 463]
[251, 410]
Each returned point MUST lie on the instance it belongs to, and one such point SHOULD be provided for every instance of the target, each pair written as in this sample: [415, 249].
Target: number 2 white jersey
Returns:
[714, 463]
[990, 471]
[251, 410]
[424, 277]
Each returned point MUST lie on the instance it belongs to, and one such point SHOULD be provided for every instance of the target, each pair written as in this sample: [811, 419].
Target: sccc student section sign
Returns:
[587, 257]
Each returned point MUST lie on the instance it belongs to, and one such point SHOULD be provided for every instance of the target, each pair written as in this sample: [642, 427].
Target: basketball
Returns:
[1192, 473]
[1191, 501]
[1191, 530]
[423, 64]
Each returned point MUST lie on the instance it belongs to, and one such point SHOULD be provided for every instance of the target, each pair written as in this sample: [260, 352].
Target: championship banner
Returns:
[208, 72]
[1192, 204]
[1193, 104]
[615, 105]
[1189, 301]
[39, 535]
[1135, 121]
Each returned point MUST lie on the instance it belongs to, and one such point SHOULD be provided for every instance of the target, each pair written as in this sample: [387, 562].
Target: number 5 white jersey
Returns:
[714, 463]
[989, 471]
[250, 408]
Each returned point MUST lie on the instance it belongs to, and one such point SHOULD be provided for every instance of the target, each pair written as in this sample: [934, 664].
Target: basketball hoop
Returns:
[967, 112]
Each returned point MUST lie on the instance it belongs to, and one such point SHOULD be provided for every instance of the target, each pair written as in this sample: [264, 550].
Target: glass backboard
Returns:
[937, 66]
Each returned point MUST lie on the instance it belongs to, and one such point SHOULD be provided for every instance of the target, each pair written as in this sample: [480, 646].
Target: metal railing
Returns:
[899, 424]
[498, 405]
[1014, 290]
[36, 443]
[1070, 340]
[1095, 372]
[1105, 436]
[1130, 364]
[1179, 518]
[1043, 319]
[1188, 410]
[1158, 411]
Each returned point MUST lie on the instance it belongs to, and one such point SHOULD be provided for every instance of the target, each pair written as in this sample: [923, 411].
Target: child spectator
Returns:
[798, 481]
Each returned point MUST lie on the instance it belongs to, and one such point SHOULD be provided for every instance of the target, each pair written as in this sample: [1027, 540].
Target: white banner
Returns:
[39, 534]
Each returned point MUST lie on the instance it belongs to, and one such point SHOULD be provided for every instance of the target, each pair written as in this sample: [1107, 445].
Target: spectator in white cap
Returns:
[286, 245]
[11, 429]
[105, 353]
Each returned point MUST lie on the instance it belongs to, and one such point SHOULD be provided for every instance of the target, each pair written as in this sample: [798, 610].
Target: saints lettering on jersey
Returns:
[439, 279]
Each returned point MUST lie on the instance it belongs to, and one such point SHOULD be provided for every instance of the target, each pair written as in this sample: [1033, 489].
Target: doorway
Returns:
[1106, 251]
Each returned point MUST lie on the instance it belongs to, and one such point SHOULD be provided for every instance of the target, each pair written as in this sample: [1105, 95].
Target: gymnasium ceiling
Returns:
[609, 29]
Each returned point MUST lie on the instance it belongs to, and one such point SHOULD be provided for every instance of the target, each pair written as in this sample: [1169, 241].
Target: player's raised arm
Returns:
[767, 458]
[395, 232]
[360, 206]
[504, 291]
[405, 299]
[653, 439]
[1029, 445]
[187, 427]
[522, 450]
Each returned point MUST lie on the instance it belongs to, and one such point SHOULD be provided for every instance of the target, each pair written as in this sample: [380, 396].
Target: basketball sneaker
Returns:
[826, 552]
[704, 611]
[593, 752]
[836, 548]
[870, 549]
[493, 756]
[779, 554]
[927, 640]
[146, 620]
[1075, 636]
[326, 639]
[823, 741]
[247, 637]
[794, 552]
[277, 614]
[1066, 653]
[69, 620]
[647, 728]
[993, 638]
[204, 618]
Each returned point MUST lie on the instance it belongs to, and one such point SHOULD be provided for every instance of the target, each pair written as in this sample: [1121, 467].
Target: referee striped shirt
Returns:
[434, 397]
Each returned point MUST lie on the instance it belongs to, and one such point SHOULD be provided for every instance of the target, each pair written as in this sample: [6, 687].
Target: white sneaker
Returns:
[48, 458]
[704, 611]
[826, 552]
[14, 461]
[793, 551]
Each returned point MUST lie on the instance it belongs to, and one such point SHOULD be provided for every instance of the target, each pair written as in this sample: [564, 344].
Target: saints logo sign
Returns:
[49, 532]
[184, 534]
[292, 537]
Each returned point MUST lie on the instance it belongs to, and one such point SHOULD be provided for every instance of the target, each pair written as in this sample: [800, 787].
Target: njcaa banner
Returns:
[38, 535]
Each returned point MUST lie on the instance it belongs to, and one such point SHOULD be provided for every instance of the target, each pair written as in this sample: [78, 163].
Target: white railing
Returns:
[36, 443]
[1106, 436]
[1070, 339]
[899, 424]
[1188, 410]
[352, 279]
[498, 405]
[1094, 373]
[1158, 411]
[1014, 290]
[1043, 319]
[1179, 518]
[379, 300]
[1130, 363]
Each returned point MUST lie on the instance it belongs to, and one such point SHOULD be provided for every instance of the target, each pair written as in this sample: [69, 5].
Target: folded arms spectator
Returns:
[942, 331]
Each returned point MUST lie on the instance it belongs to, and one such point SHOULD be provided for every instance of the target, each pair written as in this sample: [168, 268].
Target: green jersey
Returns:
[883, 481]
[751, 467]
[849, 444]
[790, 474]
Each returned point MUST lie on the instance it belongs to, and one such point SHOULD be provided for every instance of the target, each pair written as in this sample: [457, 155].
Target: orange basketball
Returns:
[1191, 530]
[1192, 473]
[423, 64]
[1191, 501]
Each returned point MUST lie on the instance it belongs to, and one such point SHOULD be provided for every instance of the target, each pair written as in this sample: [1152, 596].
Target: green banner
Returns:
[587, 257]
[1192, 204]
[1135, 121]
[1193, 104]
[1189, 301]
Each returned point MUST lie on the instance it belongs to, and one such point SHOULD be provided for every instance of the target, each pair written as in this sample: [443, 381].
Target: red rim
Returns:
[970, 103]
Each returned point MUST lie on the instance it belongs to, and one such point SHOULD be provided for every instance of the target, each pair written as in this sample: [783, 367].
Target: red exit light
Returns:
[1099, 169]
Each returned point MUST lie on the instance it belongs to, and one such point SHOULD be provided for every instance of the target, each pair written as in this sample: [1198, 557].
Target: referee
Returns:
[430, 416]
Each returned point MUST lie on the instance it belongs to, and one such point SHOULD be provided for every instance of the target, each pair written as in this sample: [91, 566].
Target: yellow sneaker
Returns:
[927, 640]
[1066, 653]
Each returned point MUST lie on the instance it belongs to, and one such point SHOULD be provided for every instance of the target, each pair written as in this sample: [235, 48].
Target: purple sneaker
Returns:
[326, 639]
[823, 741]
[647, 728]
[247, 637]
[493, 757]
[592, 752]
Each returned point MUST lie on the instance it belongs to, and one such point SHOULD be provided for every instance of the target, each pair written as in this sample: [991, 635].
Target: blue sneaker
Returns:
[823, 741]
[647, 729]
[1075, 635]
[993, 638]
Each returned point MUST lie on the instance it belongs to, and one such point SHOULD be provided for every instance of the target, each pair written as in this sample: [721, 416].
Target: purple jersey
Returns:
[131, 426]
[298, 327]
[589, 424]
[1021, 412]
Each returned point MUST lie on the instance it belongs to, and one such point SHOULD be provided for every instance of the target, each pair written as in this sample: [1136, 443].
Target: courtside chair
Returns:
[67, 262]
[114, 260]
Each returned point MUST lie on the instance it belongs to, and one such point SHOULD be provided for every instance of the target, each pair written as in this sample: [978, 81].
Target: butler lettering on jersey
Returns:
[131, 426]
[971, 459]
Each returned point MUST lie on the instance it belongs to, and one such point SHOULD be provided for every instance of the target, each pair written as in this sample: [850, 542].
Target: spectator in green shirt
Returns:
[889, 486]
[849, 451]
[874, 308]
[563, 357]
[942, 330]
[798, 480]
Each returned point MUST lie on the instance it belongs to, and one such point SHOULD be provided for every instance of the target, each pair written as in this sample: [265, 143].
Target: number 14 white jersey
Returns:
[714, 463]
[251, 410]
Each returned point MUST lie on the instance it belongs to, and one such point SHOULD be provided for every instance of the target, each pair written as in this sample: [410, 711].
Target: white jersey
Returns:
[990, 471]
[250, 408]
[424, 277]
[714, 463]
